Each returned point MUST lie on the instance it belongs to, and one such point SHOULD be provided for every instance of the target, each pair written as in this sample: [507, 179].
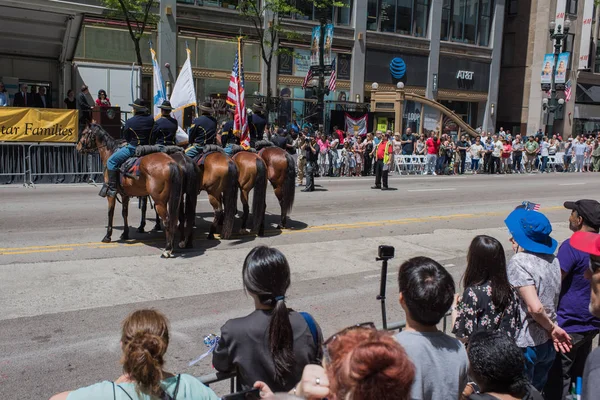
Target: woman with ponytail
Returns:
[144, 342]
[273, 343]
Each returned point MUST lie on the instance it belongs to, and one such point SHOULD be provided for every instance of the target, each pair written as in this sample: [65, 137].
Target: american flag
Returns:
[568, 90]
[236, 98]
[333, 77]
[531, 206]
[307, 78]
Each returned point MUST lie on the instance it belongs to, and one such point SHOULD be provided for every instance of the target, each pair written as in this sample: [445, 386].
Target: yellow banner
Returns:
[38, 125]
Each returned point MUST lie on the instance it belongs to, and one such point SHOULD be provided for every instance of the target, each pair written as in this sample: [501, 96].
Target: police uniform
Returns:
[257, 128]
[311, 164]
[228, 138]
[164, 131]
[202, 132]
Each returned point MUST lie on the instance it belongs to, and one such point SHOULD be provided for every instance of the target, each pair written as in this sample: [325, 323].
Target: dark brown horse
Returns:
[281, 172]
[218, 176]
[252, 175]
[160, 178]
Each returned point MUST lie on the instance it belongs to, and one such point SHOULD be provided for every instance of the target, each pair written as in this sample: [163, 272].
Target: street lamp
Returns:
[400, 85]
[555, 105]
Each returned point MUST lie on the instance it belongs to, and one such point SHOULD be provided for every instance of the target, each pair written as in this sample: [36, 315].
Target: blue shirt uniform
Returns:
[258, 124]
[164, 131]
[227, 136]
[137, 129]
[203, 131]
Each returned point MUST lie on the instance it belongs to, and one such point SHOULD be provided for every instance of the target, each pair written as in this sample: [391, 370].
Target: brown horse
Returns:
[281, 172]
[218, 176]
[252, 175]
[160, 178]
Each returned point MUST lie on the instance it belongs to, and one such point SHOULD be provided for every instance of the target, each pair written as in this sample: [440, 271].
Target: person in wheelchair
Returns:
[136, 132]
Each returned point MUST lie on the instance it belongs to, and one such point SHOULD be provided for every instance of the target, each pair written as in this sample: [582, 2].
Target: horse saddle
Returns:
[208, 149]
[236, 148]
[261, 144]
[131, 168]
[144, 150]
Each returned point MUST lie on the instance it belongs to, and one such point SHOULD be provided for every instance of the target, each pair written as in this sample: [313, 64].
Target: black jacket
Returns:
[164, 131]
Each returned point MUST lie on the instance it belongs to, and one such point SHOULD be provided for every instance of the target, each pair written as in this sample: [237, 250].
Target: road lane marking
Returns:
[271, 232]
[572, 184]
[431, 190]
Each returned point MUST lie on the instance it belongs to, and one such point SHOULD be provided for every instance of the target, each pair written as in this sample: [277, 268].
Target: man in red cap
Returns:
[589, 242]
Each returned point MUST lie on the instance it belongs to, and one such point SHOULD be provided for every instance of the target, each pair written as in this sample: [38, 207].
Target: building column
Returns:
[167, 40]
[435, 24]
[274, 63]
[357, 69]
[489, 120]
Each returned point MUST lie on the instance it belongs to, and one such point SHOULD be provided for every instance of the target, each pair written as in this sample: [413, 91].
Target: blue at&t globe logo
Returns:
[397, 68]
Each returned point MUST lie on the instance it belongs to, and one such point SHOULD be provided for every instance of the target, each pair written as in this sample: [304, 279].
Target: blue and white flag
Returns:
[159, 91]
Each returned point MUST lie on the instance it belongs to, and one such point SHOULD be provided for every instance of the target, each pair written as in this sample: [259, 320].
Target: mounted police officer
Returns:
[165, 128]
[203, 131]
[136, 132]
[258, 122]
[228, 138]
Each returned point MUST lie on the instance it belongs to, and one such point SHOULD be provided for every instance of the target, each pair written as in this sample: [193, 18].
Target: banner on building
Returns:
[314, 45]
[586, 33]
[158, 85]
[561, 68]
[561, 8]
[356, 125]
[38, 125]
[328, 43]
[547, 66]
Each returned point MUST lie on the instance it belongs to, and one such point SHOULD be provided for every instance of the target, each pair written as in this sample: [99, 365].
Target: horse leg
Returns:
[111, 213]
[244, 193]
[216, 205]
[125, 212]
[157, 226]
[161, 211]
[182, 227]
[144, 202]
[279, 195]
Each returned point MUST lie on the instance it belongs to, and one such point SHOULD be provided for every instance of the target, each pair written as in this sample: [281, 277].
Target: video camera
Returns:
[384, 253]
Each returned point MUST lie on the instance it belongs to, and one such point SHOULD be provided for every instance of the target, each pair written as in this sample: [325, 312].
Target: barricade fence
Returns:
[31, 163]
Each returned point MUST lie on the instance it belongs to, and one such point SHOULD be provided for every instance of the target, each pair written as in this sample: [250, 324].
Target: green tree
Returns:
[138, 15]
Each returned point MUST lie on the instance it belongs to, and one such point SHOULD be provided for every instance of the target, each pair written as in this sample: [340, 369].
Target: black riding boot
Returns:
[110, 188]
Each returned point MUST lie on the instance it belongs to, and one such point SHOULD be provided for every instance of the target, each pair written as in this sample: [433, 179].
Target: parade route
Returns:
[63, 293]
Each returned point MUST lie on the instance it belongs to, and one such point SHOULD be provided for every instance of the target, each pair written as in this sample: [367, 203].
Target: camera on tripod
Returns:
[385, 252]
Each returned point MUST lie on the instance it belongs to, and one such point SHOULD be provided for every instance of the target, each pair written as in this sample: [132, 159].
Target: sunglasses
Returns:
[332, 338]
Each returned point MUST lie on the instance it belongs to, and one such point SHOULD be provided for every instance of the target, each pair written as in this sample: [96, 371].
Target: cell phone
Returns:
[250, 394]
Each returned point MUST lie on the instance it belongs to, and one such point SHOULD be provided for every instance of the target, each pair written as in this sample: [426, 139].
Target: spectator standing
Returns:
[568, 157]
[408, 143]
[573, 303]
[311, 151]
[433, 146]
[535, 272]
[69, 101]
[23, 98]
[476, 150]
[488, 303]
[420, 146]
[426, 294]
[358, 156]
[579, 149]
[144, 342]
[589, 242]
[596, 157]
[42, 100]
[544, 153]
[488, 148]
[85, 110]
[301, 156]
[102, 100]
[506, 153]
[517, 155]
[273, 343]
[497, 367]
[397, 143]
[323, 150]
[3, 96]
[383, 162]
[367, 154]
[340, 135]
[587, 159]
[496, 156]
[462, 146]
[531, 151]
[333, 156]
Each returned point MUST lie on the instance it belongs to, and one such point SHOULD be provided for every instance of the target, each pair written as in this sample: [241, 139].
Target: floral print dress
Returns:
[476, 312]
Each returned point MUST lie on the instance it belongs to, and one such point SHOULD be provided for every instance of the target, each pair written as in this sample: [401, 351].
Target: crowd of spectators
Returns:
[515, 324]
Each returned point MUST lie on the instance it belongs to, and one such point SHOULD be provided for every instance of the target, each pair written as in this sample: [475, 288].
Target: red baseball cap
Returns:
[588, 242]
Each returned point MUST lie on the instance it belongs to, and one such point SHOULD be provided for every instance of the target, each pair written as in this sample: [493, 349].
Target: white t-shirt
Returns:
[475, 151]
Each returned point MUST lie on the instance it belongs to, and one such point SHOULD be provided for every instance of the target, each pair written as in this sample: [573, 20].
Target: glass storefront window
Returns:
[207, 89]
[110, 44]
[343, 14]
[388, 15]
[403, 21]
[421, 18]
[407, 17]
[372, 15]
[467, 21]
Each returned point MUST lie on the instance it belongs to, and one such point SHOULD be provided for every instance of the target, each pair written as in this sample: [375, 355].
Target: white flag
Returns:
[184, 93]
[159, 85]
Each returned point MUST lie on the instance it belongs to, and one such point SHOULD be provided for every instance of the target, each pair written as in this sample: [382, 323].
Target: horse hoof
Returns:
[106, 239]
[279, 226]
[157, 229]
[166, 254]
[141, 230]
[211, 237]
[124, 237]
[183, 244]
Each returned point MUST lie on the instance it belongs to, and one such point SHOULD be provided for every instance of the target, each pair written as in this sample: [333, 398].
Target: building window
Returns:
[407, 17]
[467, 21]
[572, 7]
[511, 7]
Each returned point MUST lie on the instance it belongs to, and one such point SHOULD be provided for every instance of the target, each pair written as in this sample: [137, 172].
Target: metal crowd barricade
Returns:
[13, 162]
[61, 162]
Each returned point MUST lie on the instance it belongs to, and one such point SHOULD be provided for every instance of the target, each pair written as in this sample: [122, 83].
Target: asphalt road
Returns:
[63, 293]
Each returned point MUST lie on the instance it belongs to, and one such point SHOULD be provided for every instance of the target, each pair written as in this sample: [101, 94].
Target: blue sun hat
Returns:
[531, 230]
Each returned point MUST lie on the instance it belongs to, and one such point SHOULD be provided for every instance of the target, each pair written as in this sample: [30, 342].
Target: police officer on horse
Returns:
[165, 128]
[136, 132]
[203, 131]
[258, 122]
[228, 138]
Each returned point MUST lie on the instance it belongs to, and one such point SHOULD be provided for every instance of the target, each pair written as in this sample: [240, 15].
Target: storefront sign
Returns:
[302, 60]
[285, 62]
[344, 62]
[435, 83]
[586, 33]
[378, 68]
[38, 125]
[466, 75]
[397, 68]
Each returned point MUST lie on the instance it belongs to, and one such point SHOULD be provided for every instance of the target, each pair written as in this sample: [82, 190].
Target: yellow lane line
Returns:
[309, 229]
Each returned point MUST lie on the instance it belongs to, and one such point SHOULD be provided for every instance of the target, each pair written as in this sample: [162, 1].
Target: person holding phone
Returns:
[273, 343]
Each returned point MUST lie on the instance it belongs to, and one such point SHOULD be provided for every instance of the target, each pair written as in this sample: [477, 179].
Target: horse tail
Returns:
[230, 194]
[260, 194]
[176, 181]
[289, 185]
